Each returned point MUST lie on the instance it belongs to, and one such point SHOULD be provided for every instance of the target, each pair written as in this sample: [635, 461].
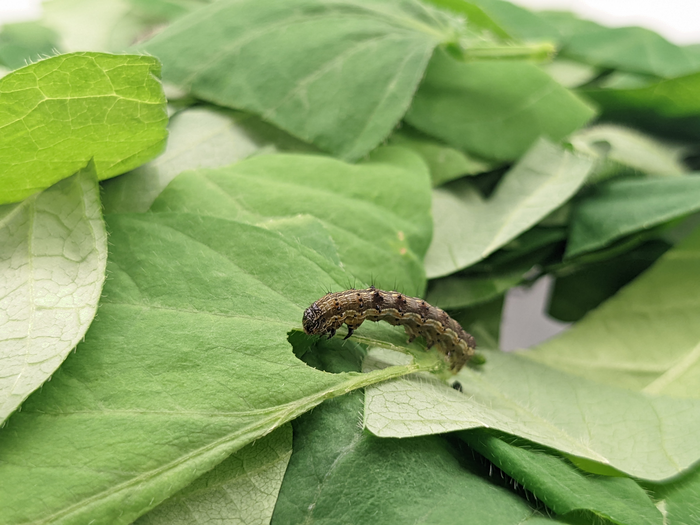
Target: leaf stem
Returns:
[540, 51]
[377, 376]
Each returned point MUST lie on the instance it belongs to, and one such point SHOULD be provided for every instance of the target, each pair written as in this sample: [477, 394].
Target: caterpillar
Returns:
[353, 307]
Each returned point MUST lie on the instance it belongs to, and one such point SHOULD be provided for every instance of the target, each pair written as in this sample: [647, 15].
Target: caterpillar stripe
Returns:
[353, 307]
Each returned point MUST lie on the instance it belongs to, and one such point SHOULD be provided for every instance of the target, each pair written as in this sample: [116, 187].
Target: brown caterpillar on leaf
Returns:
[353, 307]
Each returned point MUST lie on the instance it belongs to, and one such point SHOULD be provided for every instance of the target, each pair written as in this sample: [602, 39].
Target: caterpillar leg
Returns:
[351, 328]
[412, 332]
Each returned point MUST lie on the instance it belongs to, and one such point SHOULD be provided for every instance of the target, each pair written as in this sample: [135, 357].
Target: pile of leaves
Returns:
[152, 363]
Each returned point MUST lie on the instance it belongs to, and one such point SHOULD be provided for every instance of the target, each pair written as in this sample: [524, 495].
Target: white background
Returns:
[677, 20]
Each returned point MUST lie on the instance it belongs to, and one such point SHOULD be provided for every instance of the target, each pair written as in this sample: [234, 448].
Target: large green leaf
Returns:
[649, 437]
[647, 337]
[241, 489]
[380, 236]
[476, 106]
[199, 137]
[669, 107]
[339, 74]
[59, 113]
[187, 361]
[340, 474]
[53, 252]
[623, 207]
[563, 487]
[469, 227]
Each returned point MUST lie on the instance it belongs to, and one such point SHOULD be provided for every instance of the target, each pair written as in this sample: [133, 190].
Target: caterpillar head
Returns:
[313, 320]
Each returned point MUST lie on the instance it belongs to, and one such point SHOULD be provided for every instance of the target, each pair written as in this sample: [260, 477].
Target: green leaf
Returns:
[166, 10]
[626, 49]
[679, 501]
[199, 137]
[518, 21]
[645, 337]
[61, 112]
[477, 107]
[632, 49]
[581, 288]
[468, 290]
[187, 360]
[483, 321]
[241, 489]
[445, 163]
[570, 74]
[617, 146]
[339, 74]
[338, 473]
[563, 487]
[53, 252]
[25, 42]
[622, 207]
[668, 107]
[649, 437]
[475, 16]
[545, 178]
[381, 236]
[522, 253]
